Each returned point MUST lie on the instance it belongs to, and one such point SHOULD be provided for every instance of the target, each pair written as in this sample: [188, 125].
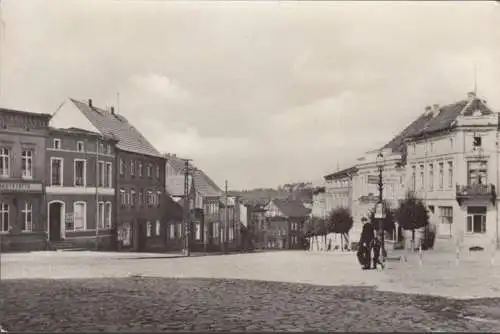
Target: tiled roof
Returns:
[129, 138]
[78, 131]
[202, 183]
[175, 185]
[428, 122]
[291, 208]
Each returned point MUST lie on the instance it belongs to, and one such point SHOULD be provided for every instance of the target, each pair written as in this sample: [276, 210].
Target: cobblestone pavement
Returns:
[169, 304]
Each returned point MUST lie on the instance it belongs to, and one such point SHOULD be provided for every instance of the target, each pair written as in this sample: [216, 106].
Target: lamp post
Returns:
[380, 213]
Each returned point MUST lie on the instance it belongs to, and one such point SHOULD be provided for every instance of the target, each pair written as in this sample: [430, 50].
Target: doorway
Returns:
[56, 215]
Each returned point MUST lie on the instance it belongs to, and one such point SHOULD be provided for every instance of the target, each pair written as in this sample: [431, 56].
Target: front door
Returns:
[55, 215]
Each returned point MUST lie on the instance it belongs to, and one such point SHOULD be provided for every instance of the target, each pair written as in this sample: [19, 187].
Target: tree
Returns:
[314, 228]
[340, 221]
[412, 214]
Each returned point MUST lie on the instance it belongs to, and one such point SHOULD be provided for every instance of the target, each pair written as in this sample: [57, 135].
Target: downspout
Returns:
[498, 186]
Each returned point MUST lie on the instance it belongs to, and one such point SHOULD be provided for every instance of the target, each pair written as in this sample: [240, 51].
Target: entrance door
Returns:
[55, 215]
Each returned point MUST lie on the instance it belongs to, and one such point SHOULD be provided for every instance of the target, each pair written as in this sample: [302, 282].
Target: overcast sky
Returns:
[258, 93]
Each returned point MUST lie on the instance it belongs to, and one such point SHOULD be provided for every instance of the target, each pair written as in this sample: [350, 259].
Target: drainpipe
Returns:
[498, 186]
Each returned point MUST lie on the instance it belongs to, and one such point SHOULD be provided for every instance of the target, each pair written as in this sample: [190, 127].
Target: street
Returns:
[86, 291]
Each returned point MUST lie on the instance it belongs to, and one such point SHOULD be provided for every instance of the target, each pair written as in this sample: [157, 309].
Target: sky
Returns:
[256, 93]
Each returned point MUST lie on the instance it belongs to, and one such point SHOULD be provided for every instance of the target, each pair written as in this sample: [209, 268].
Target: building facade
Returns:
[22, 180]
[453, 165]
[285, 223]
[139, 175]
[80, 190]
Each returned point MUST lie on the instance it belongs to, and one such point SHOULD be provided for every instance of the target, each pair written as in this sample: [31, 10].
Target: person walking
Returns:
[365, 244]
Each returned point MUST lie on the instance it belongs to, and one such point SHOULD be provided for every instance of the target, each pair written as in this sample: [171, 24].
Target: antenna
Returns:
[475, 78]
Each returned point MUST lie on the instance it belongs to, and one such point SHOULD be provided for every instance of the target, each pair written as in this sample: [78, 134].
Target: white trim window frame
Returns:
[4, 217]
[56, 144]
[132, 198]
[82, 218]
[178, 232]
[100, 215]
[27, 214]
[108, 207]
[80, 146]
[140, 169]
[150, 199]
[4, 162]
[157, 172]
[149, 229]
[122, 198]
[132, 167]
[450, 174]
[476, 219]
[101, 176]
[109, 175]
[27, 164]
[157, 228]
[197, 231]
[158, 196]
[148, 170]
[171, 234]
[80, 180]
[122, 167]
[59, 179]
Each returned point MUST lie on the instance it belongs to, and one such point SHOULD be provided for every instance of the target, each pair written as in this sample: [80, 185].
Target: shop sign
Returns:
[20, 187]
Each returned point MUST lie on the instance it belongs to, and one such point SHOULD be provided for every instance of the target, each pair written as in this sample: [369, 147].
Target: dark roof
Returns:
[78, 131]
[27, 113]
[291, 208]
[318, 190]
[341, 173]
[112, 124]
[202, 183]
[429, 123]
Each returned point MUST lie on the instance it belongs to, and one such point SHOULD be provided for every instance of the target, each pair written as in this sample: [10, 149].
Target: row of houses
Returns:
[449, 157]
[85, 177]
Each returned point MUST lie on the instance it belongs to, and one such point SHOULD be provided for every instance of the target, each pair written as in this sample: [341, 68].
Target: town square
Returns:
[250, 166]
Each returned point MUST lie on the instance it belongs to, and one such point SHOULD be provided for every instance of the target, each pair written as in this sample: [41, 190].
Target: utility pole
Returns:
[187, 199]
[380, 165]
[97, 176]
[226, 225]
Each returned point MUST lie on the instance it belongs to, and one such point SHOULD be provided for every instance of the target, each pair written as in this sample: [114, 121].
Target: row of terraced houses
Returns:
[449, 157]
[85, 177]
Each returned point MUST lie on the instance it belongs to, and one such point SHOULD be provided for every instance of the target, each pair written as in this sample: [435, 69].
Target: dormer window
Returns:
[80, 146]
[56, 144]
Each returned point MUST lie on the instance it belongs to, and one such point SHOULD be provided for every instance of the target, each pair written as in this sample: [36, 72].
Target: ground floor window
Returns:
[172, 231]
[100, 215]
[476, 219]
[197, 231]
[79, 220]
[179, 230]
[4, 217]
[27, 217]
[107, 215]
[157, 227]
[215, 230]
[149, 229]
[231, 232]
[126, 234]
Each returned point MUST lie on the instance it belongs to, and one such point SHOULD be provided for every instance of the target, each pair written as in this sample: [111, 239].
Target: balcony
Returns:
[483, 192]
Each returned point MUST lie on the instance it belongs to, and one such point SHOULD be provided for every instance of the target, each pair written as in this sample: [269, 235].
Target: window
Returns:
[140, 169]
[101, 148]
[179, 230]
[108, 176]
[158, 197]
[451, 142]
[476, 219]
[432, 147]
[80, 172]
[122, 198]
[231, 232]
[140, 198]
[197, 231]
[108, 149]
[441, 175]
[79, 146]
[149, 229]
[158, 228]
[4, 217]
[431, 177]
[477, 172]
[4, 161]
[27, 164]
[172, 231]
[27, 216]
[413, 177]
[450, 174]
[148, 170]
[56, 143]
[149, 198]
[157, 172]
[79, 216]
[446, 214]
[132, 167]
[122, 167]
[126, 235]
[101, 174]
[215, 230]
[127, 198]
[100, 215]
[132, 198]
[107, 215]
[421, 179]
[56, 172]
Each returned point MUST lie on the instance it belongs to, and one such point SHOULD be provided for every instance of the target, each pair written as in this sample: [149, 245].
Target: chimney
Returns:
[471, 95]
[90, 103]
[112, 110]
[428, 110]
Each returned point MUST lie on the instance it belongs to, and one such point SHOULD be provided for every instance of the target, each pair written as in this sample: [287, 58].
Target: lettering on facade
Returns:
[20, 187]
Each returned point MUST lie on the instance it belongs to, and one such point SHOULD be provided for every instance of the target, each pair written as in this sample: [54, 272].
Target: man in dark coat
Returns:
[365, 243]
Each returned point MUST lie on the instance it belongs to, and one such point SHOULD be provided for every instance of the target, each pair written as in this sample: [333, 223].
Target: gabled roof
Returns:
[175, 185]
[26, 113]
[431, 122]
[202, 183]
[291, 208]
[112, 124]
[78, 131]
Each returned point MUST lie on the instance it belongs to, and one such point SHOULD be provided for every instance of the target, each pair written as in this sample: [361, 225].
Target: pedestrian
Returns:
[365, 244]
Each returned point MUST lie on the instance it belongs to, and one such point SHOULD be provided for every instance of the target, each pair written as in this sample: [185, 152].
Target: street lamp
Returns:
[380, 210]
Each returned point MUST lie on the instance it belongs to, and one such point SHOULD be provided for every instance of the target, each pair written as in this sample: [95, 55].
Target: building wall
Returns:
[136, 219]
[20, 131]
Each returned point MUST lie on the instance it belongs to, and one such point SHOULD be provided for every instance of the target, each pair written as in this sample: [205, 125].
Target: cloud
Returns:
[160, 86]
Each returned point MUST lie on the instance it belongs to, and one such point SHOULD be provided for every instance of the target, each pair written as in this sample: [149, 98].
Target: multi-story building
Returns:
[22, 176]
[257, 224]
[285, 223]
[204, 205]
[80, 191]
[453, 165]
[139, 177]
